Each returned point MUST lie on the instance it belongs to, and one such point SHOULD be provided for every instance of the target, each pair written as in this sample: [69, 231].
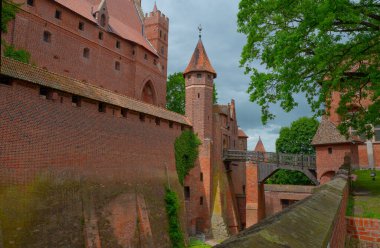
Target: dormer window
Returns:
[103, 20]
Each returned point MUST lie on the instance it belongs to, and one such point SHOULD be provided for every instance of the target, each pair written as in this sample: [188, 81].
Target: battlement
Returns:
[157, 15]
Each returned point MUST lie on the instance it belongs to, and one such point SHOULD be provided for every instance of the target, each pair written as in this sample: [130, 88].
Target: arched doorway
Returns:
[148, 94]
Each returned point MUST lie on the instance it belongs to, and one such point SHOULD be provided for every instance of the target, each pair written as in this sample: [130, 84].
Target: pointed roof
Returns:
[199, 61]
[155, 7]
[259, 146]
[328, 133]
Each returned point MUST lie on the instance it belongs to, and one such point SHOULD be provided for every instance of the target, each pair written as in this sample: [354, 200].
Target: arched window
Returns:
[148, 94]
[86, 53]
[47, 36]
[103, 20]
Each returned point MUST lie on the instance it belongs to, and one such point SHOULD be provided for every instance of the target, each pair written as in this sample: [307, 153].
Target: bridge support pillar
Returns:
[255, 198]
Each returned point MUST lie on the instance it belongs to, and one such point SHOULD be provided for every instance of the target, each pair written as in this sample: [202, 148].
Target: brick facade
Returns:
[63, 51]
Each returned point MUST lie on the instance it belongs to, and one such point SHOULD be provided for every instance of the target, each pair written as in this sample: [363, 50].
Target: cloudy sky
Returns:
[223, 45]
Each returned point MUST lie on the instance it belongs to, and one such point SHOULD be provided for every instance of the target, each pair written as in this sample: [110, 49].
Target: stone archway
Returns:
[148, 93]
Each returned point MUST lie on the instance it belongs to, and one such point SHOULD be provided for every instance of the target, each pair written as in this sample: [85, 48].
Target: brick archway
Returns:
[326, 177]
[148, 93]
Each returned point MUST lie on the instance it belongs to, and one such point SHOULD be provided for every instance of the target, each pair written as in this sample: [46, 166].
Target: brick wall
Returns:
[364, 229]
[329, 163]
[39, 134]
[64, 53]
[275, 194]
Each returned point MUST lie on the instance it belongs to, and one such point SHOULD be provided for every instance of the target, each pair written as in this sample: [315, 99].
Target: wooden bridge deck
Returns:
[269, 162]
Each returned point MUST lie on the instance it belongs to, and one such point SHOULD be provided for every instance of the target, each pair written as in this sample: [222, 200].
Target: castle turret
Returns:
[199, 77]
[156, 29]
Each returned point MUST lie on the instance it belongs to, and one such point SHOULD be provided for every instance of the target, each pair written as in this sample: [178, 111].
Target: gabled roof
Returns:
[328, 133]
[259, 146]
[124, 19]
[43, 77]
[242, 134]
[200, 61]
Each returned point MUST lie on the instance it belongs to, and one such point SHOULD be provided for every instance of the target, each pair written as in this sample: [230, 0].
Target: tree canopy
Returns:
[315, 48]
[297, 138]
[175, 93]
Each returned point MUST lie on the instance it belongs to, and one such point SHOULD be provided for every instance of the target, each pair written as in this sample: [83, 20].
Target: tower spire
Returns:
[155, 7]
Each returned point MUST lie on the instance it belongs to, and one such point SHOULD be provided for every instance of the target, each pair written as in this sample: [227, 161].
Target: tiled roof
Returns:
[43, 77]
[242, 134]
[259, 146]
[199, 61]
[328, 133]
[124, 19]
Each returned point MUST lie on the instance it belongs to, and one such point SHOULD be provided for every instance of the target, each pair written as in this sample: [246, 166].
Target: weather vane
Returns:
[200, 30]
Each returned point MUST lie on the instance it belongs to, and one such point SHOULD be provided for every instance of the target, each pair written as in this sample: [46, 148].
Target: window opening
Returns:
[187, 193]
[86, 53]
[124, 112]
[117, 65]
[47, 36]
[76, 101]
[81, 26]
[58, 14]
[102, 107]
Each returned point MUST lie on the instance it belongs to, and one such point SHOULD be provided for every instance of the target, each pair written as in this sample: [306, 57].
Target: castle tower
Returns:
[156, 29]
[199, 76]
[260, 146]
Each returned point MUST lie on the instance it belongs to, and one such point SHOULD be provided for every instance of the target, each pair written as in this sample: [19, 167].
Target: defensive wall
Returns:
[53, 123]
[316, 221]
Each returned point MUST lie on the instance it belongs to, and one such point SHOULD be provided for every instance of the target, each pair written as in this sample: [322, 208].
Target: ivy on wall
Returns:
[172, 210]
[186, 152]
[8, 13]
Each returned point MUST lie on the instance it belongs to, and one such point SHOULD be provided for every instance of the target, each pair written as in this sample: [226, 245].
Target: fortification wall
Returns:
[124, 159]
[64, 50]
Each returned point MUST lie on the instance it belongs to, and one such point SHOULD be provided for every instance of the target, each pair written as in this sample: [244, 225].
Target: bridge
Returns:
[270, 162]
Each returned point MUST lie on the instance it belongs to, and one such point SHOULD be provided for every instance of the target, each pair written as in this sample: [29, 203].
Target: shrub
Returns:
[172, 209]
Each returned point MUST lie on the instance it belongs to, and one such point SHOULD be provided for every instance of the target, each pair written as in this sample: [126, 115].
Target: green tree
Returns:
[175, 93]
[295, 139]
[312, 47]
[8, 13]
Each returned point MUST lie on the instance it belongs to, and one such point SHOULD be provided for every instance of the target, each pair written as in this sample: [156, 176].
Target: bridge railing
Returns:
[302, 160]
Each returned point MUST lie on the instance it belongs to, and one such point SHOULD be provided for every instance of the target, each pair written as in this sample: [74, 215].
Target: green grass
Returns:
[195, 243]
[366, 206]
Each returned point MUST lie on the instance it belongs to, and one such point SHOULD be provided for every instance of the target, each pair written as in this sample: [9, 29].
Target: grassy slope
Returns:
[366, 206]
